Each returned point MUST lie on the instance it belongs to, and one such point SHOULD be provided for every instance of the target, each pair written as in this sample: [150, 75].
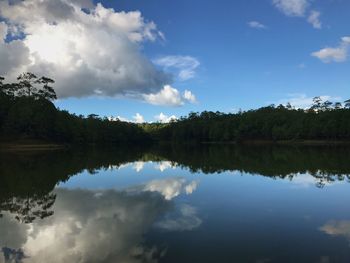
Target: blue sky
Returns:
[233, 54]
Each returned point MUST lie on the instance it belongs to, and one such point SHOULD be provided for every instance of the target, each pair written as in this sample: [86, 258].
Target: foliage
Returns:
[323, 121]
[27, 111]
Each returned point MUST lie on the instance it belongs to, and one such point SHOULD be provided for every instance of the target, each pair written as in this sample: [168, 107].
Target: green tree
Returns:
[46, 92]
[26, 85]
[347, 104]
[317, 103]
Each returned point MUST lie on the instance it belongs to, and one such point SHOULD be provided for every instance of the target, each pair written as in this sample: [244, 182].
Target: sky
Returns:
[156, 60]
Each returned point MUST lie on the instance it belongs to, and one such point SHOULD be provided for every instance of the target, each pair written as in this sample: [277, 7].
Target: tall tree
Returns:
[46, 92]
[26, 85]
[317, 103]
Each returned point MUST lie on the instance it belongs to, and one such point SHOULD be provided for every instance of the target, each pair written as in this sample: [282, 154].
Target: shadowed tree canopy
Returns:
[27, 111]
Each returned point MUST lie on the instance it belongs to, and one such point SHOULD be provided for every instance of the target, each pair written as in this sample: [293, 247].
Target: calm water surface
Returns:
[176, 204]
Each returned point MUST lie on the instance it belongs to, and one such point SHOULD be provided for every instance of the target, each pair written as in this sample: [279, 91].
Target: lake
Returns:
[206, 203]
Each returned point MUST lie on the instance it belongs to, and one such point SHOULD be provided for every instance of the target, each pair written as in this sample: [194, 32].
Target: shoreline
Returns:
[22, 146]
[284, 142]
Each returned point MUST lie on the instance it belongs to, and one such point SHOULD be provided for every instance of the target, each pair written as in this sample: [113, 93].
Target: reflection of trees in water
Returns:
[27, 209]
[27, 179]
[101, 225]
[327, 164]
[326, 178]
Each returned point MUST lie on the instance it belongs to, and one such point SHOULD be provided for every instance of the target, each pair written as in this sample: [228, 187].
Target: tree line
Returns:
[324, 120]
[27, 111]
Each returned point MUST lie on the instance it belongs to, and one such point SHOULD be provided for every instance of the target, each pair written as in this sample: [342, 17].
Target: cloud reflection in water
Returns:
[101, 226]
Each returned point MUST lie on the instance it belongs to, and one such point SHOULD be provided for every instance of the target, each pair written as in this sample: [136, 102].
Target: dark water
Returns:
[176, 204]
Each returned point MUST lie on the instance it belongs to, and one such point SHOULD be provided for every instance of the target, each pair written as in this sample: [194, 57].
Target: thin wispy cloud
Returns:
[314, 19]
[184, 66]
[256, 25]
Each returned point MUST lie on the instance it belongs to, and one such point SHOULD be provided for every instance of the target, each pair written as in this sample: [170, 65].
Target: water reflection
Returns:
[170, 211]
[337, 228]
[28, 209]
[99, 226]
[171, 187]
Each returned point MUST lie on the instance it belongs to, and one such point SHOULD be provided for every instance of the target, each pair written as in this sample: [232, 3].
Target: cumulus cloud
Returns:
[89, 226]
[189, 96]
[12, 55]
[94, 52]
[164, 165]
[314, 19]
[334, 54]
[256, 24]
[292, 7]
[302, 101]
[138, 118]
[185, 66]
[99, 226]
[165, 118]
[138, 166]
[169, 96]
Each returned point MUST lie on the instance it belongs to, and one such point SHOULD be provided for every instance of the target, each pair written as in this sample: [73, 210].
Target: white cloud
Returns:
[99, 226]
[165, 118]
[138, 118]
[138, 166]
[87, 53]
[256, 24]
[13, 54]
[334, 54]
[302, 101]
[292, 7]
[169, 96]
[170, 187]
[121, 119]
[3, 31]
[189, 96]
[89, 226]
[298, 8]
[164, 165]
[314, 19]
[184, 65]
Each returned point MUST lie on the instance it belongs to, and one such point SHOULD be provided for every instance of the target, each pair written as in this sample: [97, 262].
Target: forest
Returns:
[27, 111]
[323, 121]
